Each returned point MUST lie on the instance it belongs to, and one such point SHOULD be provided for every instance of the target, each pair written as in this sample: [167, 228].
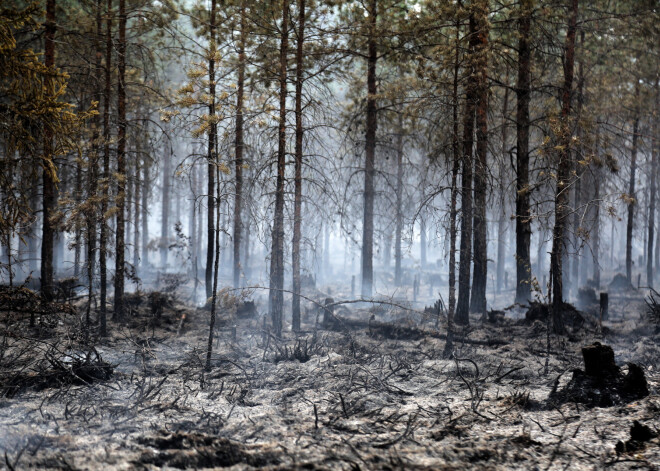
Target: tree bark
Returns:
[399, 204]
[297, 208]
[501, 220]
[652, 192]
[480, 275]
[121, 165]
[136, 211]
[632, 200]
[463, 305]
[454, 183]
[422, 241]
[49, 172]
[165, 204]
[597, 226]
[523, 222]
[211, 157]
[238, 197]
[144, 260]
[276, 296]
[92, 173]
[370, 152]
[579, 174]
[563, 165]
[103, 237]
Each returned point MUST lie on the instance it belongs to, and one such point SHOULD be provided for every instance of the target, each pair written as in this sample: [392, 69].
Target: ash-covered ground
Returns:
[362, 396]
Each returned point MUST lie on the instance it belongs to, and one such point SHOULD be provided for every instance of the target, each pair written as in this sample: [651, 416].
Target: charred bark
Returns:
[103, 237]
[563, 165]
[523, 222]
[49, 171]
[370, 152]
[463, 305]
[238, 196]
[632, 200]
[276, 296]
[479, 279]
[121, 166]
[297, 205]
[211, 157]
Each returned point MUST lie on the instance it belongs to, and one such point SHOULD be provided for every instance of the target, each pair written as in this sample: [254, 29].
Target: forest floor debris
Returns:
[354, 398]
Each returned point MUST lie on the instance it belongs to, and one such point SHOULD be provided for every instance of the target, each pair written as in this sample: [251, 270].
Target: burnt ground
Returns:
[356, 398]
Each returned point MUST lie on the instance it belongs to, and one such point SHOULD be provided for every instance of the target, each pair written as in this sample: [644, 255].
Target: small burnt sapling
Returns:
[601, 384]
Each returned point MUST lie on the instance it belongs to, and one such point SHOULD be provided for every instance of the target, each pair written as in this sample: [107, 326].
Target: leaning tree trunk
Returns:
[480, 275]
[523, 220]
[49, 168]
[238, 197]
[211, 157]
[297, 208]
[631, 187]
[370, 153]
[563, 165]
[463, 306]
[121, 165]
[276, 295]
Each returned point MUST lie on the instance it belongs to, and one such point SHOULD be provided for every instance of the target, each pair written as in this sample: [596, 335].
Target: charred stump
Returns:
[601, 384]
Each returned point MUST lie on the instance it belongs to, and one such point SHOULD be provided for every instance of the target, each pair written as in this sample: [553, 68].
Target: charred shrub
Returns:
[653, 308]
[302, 350]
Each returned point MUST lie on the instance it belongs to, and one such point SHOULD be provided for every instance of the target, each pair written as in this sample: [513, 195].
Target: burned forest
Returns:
[329, 234]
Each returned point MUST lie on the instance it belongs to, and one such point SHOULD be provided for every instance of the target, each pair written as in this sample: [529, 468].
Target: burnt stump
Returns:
[601, 383]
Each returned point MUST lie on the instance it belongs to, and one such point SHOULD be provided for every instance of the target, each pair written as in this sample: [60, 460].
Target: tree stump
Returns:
[599, 360]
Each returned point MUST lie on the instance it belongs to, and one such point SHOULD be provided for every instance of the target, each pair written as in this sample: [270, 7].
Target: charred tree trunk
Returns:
[103, 237]
[276, 296]
[297, 208]
[523, 222]
[399, 204]
[49, 167]
[597, 226]
[563, 165]
[165, 211]
[632, 201]
[136, 212]
[480, 275]
[579, 174]
[92, 173]
[144, 260]
[121, 165]
[211, 157]
[370, 153]
[422, 241]
[463, 305]
[501, 221]
[238, 197]
[454, 183]
[652, 193]
[78, 229]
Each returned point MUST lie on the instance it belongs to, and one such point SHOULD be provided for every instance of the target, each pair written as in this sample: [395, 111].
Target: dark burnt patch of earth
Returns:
[602, 383]
[186, 450]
